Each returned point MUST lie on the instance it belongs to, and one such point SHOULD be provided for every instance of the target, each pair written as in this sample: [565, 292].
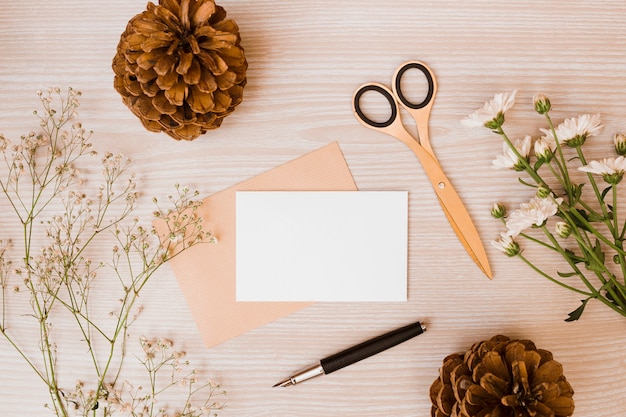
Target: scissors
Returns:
[450, 201]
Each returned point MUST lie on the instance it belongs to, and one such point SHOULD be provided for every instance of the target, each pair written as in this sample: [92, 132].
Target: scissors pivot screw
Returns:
[442, 185]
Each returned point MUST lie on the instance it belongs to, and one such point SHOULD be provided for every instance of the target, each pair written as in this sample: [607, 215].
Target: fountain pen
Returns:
[356, 353]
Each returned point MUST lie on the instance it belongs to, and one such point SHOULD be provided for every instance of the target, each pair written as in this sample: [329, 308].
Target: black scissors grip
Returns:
[386, 94]
[429, 79]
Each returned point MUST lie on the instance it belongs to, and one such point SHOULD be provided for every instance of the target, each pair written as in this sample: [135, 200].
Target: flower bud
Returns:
[620, 143]
[498, 211]
[542, 104]
[563, 229]
[543, 191]
[507, 245]
[544, 149]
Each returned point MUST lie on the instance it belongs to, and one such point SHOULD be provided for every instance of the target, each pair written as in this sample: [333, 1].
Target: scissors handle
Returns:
[396, 98]
[419, 111]
[430, 79]
[393, 125]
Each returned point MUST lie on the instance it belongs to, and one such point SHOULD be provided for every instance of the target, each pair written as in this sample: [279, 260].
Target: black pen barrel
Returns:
[371, 347]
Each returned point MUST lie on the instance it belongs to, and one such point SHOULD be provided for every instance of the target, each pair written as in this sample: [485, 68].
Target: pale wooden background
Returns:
[306, 58]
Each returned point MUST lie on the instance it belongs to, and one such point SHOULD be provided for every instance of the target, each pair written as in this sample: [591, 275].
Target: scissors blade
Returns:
[453, 208]
[475, 248]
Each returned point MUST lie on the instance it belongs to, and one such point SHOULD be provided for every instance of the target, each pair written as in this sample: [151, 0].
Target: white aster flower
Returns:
[491, 115]
[533, 213]
[509, 158]
[611, 169]
[574, 131]
[507, 245]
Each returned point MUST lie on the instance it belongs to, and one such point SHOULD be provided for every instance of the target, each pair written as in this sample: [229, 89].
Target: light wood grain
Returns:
[306, 58]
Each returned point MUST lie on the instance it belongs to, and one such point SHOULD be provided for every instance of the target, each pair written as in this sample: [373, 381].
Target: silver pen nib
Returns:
[307, 373]
[284, 383]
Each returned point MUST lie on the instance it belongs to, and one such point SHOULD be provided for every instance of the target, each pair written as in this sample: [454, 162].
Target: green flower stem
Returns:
[538, 241]
[588, 250]
[561, 162]
[554, 280]
[618, 238]
[588, 225]
[583, 240]
[596, 190]
[623, 234]
[571, 263]
[590, 209]
[556, 174]
[595, 293]
[521, 158]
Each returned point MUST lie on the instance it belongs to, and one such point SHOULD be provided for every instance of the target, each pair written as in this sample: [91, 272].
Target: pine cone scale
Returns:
[561, 405]
[158, 41]
[203, 13]
[496, 387]
[165, 64]
[548, 372]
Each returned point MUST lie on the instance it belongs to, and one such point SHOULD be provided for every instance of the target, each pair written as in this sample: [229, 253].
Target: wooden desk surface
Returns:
[305, 60]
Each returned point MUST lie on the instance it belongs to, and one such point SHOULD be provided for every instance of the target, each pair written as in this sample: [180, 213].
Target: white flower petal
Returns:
[585, 125]
[606, 166]
[509, 159]
[533, 213]
[490, 110]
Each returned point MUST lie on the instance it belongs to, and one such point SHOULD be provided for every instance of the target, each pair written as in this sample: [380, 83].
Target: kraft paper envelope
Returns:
[206, 272]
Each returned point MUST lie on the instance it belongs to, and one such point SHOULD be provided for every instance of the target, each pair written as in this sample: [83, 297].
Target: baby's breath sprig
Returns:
[61, 222]
[590, 232]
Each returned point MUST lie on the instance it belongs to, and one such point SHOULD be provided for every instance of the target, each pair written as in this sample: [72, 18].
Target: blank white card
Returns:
[321, 246]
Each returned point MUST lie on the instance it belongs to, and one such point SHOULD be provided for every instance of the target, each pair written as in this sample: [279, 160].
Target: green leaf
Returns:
[527, 183]
[577, 192]
[538, 164]
[566, 274]
[595, 263]
[575, 315]
[596, 217]
[617, 292]
[573, 257]
[605, 191]
[579, 223]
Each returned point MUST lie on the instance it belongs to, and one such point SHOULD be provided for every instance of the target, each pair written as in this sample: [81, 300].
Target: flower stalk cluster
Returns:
[50, 267]
[574, 215]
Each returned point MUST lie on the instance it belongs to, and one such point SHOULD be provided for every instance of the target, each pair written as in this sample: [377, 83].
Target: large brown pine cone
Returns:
[180, 67]
[502, 378]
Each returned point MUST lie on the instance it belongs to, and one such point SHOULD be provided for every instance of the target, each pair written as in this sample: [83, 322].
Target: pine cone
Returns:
[501, 378]
[180, 67]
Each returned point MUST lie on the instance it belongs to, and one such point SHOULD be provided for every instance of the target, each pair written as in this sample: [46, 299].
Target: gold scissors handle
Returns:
[419, 111]
[449, 199]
